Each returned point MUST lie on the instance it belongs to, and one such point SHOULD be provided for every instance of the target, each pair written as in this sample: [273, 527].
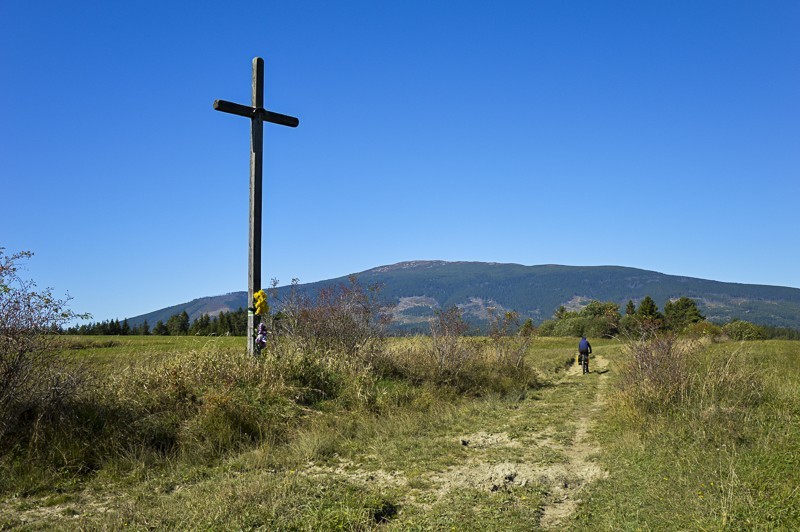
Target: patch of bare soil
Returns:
[356, 474]
[484, 440]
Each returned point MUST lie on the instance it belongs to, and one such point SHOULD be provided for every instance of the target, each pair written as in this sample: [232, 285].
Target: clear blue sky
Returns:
[661, 135]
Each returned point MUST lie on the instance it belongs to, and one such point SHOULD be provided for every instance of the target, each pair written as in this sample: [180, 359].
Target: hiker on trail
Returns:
[584, 350]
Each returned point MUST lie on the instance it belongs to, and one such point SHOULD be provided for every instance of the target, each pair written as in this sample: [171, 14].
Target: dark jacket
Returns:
[584, 347]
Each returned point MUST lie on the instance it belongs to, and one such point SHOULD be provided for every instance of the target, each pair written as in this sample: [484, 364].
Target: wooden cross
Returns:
[257, 115]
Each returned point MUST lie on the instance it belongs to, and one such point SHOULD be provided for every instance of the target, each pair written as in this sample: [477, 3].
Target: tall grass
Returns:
[656, 374]
[472, 366]
[209, 400]
[202, 402]
[665, 375]
[701, 436]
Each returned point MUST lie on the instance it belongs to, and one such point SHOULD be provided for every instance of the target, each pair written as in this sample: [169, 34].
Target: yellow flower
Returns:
[260, 303]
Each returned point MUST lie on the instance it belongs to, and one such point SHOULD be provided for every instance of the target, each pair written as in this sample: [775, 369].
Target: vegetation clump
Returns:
[701, 426]
[468, 365]
[596, 319]
[38, 388]
[663, 373]
[681, 316]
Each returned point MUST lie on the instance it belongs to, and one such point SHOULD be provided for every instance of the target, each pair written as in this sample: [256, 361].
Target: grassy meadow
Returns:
[413, 434]
[719, 450]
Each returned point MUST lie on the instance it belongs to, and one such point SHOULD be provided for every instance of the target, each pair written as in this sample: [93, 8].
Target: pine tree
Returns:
[648, 308]
[183, 322]
[160, 329]
[201, 326]
[648, 315]
[178, 324]
[527, 328]
[681, 313]
[223, 324]
[239, 322]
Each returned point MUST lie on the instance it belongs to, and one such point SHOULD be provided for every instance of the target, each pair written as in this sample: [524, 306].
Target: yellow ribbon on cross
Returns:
[260, 303]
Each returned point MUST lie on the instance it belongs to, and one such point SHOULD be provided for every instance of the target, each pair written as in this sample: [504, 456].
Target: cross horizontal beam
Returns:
[255, 112]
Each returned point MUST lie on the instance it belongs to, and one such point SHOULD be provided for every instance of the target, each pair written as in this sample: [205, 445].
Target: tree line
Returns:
[680, 316]
[232, 323]
[597, 319]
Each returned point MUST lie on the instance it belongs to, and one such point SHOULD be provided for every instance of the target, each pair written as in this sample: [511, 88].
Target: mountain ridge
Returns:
[419, 287]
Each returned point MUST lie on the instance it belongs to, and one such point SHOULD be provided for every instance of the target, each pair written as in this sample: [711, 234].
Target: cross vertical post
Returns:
[257, 115]
[256, 166]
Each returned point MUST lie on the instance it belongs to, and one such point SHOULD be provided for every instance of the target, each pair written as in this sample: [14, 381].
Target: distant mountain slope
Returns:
[420, 287]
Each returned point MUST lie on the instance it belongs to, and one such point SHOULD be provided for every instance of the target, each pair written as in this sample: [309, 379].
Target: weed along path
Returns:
[497, 464]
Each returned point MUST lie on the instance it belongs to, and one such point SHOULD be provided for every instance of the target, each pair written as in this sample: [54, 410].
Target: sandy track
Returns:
[580, 468]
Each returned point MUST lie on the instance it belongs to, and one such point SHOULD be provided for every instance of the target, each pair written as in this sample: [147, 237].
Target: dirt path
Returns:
[580, 468]
[538, 452]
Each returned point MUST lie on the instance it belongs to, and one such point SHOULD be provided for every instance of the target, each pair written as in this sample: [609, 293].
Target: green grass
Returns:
[714, 461]
[256, 448]
[115, 352]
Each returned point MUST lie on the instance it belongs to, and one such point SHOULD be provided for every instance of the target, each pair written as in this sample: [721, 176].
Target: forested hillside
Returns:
[418, 288]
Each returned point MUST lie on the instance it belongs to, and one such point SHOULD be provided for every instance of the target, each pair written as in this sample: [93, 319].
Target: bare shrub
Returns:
[348, 319]
[469, 365]
[665, 376]
[449, 350]
[438, 358]
[509, 346]
[327, 346]
[656, 374]
[37, 387]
